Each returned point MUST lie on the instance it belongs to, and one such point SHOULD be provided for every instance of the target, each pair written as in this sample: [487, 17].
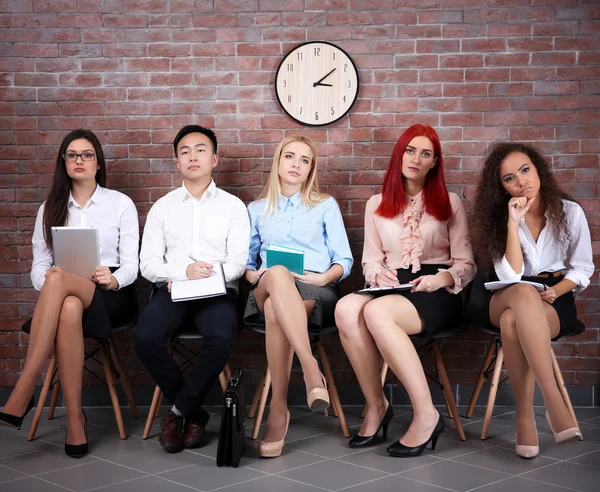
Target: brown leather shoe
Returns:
[194, 432]
[171, 433]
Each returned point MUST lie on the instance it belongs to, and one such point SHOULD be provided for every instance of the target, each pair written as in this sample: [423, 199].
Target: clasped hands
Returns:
[424, 283]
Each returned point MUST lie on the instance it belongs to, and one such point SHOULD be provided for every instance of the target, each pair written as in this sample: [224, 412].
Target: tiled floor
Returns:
[316, 457]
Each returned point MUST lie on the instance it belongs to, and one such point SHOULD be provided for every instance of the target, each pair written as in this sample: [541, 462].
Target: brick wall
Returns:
[135, 71]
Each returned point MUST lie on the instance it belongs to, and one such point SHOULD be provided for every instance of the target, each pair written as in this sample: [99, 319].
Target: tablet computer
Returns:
[76, 249]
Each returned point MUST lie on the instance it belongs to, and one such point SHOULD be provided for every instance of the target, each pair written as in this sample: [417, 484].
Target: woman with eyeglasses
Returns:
[71, 307]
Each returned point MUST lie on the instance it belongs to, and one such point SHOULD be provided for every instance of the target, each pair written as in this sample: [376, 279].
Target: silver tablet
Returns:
[76, 249]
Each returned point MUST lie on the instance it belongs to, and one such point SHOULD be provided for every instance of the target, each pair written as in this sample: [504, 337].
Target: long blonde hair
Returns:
[309, 192]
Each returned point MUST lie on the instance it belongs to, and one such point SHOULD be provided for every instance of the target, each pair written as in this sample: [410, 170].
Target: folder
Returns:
[501, 284]
[211, 286]
[368, 290]
[292, 259]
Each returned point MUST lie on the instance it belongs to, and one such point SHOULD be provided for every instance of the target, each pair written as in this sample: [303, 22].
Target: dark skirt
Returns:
[439, 310]
[109, 309]
[322, 315]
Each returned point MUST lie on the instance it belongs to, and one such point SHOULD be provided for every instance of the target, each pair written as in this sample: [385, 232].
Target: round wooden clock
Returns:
[316, 83]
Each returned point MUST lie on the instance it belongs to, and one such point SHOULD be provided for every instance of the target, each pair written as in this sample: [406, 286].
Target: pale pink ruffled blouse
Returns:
[415, 237]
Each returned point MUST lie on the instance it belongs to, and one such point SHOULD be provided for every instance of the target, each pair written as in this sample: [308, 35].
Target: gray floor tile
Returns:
[333, 475]
[7, 474]
[503, 460]
[271, 484]
[518, 484]
[327, 424]
[6, 431]
[44, 460]
[590, 433]
[145, 484]
[288, 460]
[567, 474]
[158, 460]
[207, 476]
[378, 459]
[111, 446]
[31, 484]
[498, 434]
[326, 445]
[585, 413]
[18, 444]
[91, 475]
[564, 451]
[394, 484]
[448, 447]
[455, 476]
[593, 421]
[589, 459]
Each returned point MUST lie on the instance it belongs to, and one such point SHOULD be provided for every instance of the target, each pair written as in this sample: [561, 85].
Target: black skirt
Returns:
[322, 315]
[109, 309]
[439, 310]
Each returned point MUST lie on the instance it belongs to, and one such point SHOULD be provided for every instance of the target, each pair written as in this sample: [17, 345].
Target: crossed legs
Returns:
[57, 322]
[374, 328]
[527, 325]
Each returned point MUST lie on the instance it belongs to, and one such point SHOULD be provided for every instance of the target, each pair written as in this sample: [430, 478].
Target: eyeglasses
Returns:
[72, 156]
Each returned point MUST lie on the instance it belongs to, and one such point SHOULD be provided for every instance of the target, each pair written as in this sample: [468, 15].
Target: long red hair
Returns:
[435, 194]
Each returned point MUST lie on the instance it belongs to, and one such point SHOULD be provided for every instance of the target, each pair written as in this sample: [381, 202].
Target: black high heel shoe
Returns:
[77, 450]
[399, 450]
[13, 420]
[365, 441]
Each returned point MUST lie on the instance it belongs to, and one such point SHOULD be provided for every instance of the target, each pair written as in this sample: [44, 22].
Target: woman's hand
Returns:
[105, 279]
[518, 206]
[386, 278]
[311, 278]
[429, 283]
[53, 269]
[549, 295]
[198, 269]
[252, 276]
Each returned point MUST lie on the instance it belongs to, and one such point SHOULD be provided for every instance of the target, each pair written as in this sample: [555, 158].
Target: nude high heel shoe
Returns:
[273, 449]
[528, 451]
[318, 398]
[565, 435]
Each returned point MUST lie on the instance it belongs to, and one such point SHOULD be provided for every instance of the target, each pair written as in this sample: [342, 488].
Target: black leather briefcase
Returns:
[232, 434]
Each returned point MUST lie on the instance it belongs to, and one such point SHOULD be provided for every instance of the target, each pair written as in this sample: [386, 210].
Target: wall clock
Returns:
[316, 83]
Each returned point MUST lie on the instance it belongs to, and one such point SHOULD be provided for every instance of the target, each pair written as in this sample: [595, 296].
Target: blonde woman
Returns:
[291, 212]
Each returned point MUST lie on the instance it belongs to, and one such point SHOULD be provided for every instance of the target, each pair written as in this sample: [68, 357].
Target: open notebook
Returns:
[368, 290]
[188, 290]
[501, 284]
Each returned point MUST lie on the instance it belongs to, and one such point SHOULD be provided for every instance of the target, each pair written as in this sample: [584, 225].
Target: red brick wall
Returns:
[134, 71]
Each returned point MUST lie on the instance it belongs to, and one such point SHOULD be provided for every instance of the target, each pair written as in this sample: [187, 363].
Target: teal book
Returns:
[292, 259]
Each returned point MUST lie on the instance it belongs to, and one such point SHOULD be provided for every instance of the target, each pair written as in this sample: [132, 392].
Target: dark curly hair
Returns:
[491, 202]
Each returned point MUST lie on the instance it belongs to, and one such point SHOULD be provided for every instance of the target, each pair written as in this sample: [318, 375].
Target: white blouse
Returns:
[115, 217]
[549, 255]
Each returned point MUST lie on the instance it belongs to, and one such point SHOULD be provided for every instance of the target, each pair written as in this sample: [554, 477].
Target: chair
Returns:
[494, 357]
[439, 376]
[264, 386]
[113, 368]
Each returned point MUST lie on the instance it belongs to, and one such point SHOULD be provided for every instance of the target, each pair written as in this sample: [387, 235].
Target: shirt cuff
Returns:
[505, 272]
[458, 286]
[578, 278]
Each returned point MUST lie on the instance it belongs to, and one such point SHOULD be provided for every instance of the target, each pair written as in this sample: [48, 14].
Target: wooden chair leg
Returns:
[563, 390]
[447, 390]
[110, 382]
[481, 378]
[160, 399]
[262, 403]
[42, 399]
[257, 394]
[494, 382]
[123, 379]
[448, 409]
[153, 412]
[54, 399]
[333, 394]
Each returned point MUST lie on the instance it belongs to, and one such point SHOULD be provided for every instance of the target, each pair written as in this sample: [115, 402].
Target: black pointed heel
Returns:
[77, 450]
[13, 420]
[365, 441]
[399, 450]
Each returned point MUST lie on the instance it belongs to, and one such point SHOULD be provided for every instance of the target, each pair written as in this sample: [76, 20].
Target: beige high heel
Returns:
[528, 451]
[318, 398]
[565, 435]
[273, 449]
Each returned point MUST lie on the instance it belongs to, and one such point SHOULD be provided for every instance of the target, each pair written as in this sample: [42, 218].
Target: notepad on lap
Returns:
[76, 249]
[368, 290]
[292, 259]
[212, 286]
[501, 284]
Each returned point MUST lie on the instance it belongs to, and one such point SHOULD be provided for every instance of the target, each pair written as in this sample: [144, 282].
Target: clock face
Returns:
[316, 83]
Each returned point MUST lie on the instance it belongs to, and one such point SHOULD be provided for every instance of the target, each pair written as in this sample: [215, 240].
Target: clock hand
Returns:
[318, 82]
[325, 85]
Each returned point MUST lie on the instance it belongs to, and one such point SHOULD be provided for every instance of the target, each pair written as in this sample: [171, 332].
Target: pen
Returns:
[193, 258]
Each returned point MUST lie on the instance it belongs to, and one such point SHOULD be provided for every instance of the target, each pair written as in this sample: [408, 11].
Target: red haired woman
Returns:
[415, 232]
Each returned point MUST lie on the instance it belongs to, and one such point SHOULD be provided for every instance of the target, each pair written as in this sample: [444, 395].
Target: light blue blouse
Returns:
[318, 231]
